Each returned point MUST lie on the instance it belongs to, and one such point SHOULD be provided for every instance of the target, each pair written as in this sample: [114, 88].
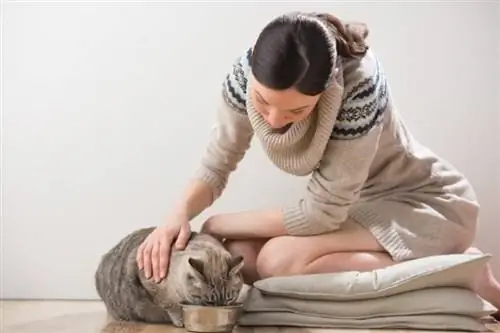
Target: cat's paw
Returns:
[176, 318]
[178, 322]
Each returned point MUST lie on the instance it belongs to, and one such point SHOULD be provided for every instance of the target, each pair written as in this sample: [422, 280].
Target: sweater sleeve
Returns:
[337, 182]
[232, 133]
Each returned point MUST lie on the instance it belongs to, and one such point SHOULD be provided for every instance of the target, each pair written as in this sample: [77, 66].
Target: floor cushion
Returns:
[428, 293]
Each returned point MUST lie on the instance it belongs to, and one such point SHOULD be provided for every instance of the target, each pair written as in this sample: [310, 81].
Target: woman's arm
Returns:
[232, 132]
[245, 225]
[196, 198]
[330, 193]
[228, 143]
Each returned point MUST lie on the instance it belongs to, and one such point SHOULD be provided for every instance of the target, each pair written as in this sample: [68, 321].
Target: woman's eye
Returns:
[296, 112]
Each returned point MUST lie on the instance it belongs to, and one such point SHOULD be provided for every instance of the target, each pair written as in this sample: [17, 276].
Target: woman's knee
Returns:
[279, 258]
[249, 250]
[290, 255]
[245, 248]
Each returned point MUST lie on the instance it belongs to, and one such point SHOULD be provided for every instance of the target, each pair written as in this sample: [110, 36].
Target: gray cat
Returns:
[204, 273]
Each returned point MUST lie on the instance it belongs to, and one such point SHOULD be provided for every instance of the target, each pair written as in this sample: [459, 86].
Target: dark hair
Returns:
[296, 53]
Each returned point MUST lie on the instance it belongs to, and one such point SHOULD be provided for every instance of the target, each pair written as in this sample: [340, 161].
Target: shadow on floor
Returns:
[97, 322]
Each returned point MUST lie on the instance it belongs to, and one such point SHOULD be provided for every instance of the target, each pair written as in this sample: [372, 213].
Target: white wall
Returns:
[99, 100]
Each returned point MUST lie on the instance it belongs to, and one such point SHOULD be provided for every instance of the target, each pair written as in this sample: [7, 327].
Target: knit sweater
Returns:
[354, 146]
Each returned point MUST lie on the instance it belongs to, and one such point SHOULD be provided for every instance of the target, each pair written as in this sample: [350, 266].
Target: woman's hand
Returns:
[153, 254]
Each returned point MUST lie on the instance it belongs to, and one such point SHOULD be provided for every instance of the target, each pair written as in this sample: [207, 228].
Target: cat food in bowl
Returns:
[208, 319]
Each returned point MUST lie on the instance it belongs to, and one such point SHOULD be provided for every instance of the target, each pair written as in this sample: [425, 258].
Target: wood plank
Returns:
[90, 317]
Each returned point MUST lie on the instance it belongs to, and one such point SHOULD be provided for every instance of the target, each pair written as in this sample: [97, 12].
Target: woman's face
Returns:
[280, 108]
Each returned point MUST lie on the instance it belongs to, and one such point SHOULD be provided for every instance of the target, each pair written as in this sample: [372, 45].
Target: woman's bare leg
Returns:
[289, 255]
[487, 286]
[351, 248]
[249, 249]
[348, 261]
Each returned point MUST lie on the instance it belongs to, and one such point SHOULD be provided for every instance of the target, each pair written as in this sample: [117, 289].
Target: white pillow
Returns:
[453, 270]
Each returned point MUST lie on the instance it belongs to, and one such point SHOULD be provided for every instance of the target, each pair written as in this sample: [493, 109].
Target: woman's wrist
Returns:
[179, 214]
[196, 199]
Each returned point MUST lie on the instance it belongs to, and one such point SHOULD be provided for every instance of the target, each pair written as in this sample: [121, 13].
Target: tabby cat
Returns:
[204, 273]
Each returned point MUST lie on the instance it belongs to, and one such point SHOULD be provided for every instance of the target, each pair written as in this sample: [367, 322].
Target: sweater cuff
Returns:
[214, 181]
[296, 222]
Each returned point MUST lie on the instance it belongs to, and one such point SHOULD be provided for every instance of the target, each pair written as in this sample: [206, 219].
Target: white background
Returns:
[108, 106]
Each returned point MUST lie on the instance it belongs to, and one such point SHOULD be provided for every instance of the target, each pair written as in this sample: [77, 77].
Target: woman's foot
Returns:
[487, 286]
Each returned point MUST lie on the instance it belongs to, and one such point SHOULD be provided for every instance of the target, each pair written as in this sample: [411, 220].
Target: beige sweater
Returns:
[354, 145]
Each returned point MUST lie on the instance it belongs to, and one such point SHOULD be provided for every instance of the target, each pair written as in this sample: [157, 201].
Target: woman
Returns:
[317, 99]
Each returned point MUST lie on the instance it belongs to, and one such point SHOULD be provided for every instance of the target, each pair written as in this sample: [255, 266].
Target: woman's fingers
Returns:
[153, 255]
[164, 259]
[155, 260]
[139, 257]
[183, 237]
[147, 259]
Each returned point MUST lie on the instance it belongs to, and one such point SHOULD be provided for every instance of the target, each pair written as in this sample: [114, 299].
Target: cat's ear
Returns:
[197, 265]
[235, 264]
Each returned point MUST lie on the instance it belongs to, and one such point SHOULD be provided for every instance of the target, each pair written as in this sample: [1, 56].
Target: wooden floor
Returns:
[90, 317]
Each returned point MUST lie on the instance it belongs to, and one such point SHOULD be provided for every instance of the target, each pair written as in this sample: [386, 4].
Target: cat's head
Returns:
[214, 280]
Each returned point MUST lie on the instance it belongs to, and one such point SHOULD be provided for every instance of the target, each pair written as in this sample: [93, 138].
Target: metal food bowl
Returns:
[210, 319]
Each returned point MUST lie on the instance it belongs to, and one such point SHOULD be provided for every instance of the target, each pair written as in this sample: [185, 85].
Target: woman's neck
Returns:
[298, 149]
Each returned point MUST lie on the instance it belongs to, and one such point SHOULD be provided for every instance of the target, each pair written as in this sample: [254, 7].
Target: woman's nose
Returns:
[276, 120]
